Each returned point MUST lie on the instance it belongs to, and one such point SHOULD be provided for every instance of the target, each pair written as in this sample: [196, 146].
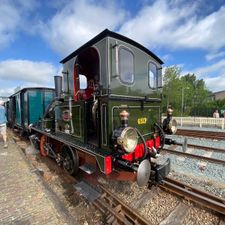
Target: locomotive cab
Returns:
[109, 113]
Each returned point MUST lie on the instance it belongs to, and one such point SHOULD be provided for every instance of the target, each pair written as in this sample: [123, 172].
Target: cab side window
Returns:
[126, 65]
[152, 75]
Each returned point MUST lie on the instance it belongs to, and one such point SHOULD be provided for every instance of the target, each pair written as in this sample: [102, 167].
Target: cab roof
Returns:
[108, 33]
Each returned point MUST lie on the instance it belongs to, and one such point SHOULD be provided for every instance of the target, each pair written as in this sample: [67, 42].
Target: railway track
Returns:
[206, 148]
[117, 212]
[198, 196]
[214, 160]
[201, 134]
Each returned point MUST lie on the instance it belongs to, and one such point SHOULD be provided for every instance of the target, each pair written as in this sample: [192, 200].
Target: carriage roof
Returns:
[31, 89]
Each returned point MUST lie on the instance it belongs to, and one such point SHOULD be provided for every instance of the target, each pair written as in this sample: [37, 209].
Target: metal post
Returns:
[182, 101]
[184, 146]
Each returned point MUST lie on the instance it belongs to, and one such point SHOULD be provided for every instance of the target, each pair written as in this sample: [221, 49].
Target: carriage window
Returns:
[126, 66]
[152, 75]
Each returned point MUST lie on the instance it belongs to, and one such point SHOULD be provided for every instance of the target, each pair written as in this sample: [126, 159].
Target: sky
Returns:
[36, 34]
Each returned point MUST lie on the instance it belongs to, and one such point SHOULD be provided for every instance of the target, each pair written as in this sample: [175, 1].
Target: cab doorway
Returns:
[87, 64]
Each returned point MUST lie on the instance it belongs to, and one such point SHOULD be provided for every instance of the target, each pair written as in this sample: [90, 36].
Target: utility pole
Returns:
[182, 100]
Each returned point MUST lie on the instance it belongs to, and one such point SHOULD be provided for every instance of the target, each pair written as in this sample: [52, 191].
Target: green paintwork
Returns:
[48, 97]
[77, 127]
[30, 105]
[18, 119]
[141, 60]
[110, 82]
[150, 111]
[74, 126]
[34, 108]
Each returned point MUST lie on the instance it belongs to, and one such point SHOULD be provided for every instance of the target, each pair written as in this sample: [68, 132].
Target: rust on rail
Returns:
[214, 160]
[202, 134]
[196, 195]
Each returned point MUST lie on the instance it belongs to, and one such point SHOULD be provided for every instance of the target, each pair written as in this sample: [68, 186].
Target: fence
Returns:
[200, 121]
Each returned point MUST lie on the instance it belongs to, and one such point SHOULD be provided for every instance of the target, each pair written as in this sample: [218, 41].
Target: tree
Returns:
[171, 82]
[193, 90]
[198, 93]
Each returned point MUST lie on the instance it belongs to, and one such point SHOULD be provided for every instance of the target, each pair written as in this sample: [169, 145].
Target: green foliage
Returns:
[171, 86]
[210, 106]
[186, 91]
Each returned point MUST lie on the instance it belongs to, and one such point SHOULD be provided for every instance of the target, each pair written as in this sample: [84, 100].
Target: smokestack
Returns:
[58, 86]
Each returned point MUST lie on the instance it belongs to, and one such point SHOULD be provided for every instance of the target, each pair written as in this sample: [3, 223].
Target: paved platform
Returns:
[23, 197]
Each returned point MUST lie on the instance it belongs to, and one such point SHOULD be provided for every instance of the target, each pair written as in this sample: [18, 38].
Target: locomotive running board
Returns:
[98, 153]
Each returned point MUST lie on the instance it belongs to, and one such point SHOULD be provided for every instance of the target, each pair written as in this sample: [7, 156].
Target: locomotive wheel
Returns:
[42, 145]
[70, 160]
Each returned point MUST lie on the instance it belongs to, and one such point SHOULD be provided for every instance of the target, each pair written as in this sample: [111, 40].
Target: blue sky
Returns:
[36, 35]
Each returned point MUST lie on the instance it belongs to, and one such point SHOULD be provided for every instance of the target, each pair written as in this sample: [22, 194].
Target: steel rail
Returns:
[219, 161]
[122, 213]
[196, 195]
[202, 134]
[108, 203]
[204, 147]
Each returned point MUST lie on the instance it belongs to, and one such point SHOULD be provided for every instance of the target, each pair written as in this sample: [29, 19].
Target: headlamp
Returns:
[128, 139]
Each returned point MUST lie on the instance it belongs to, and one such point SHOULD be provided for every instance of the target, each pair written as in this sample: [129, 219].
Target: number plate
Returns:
[142, 120]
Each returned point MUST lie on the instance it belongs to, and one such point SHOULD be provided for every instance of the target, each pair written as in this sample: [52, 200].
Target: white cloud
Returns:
[216, 83]
[5, 92]
[214, 55]
[27, 71]
[167, 57]
[213, 75]
[13, 17]
[206, 33]
[154, 24]
[177, 26]
[9, 18]
[215, 68]
[78, 22]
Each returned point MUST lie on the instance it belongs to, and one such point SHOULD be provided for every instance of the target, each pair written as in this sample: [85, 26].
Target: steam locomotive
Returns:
[106, 114]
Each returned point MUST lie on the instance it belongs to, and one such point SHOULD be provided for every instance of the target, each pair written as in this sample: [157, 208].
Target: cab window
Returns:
[126, 65]
[152, 75]
[83, 81]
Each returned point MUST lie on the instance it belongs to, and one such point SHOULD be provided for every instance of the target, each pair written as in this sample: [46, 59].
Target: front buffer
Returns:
[135, 154]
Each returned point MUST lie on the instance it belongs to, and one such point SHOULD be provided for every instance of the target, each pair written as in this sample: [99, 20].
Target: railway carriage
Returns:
[27, 106]
[107, 115]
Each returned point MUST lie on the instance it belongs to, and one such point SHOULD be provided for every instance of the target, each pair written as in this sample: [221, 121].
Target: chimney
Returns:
[58, 86]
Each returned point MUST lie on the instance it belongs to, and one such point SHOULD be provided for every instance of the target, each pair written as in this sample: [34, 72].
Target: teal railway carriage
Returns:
[28, 105]
[107, 117]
